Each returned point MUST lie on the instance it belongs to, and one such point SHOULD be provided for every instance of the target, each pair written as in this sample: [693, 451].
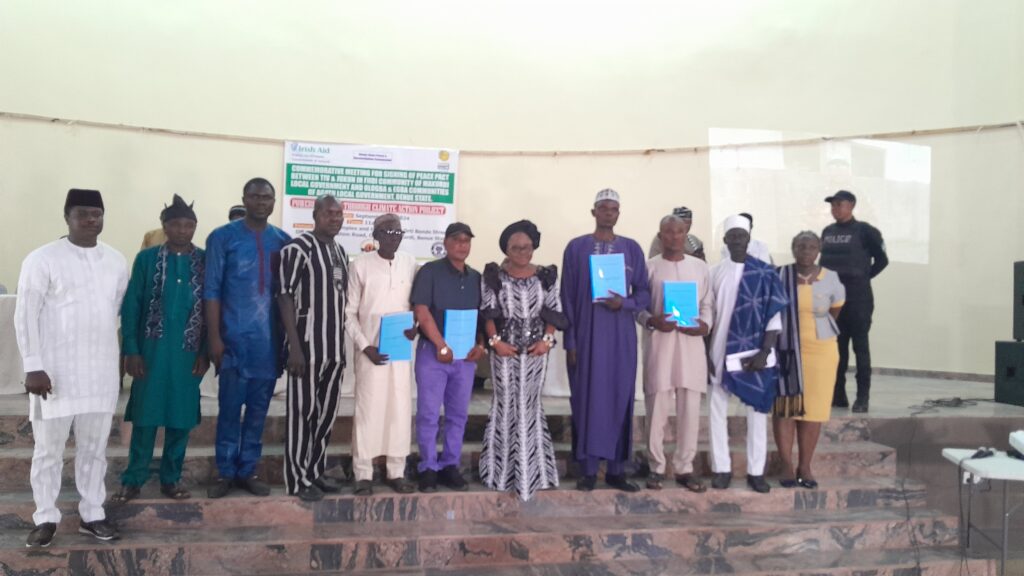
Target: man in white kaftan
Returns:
[379, 284]
[69, 298]
[726, 278]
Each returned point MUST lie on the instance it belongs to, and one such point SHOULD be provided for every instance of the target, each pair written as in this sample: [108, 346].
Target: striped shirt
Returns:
[315, 275]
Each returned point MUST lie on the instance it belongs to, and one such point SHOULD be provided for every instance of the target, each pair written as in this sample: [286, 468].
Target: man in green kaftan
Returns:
[164, 344]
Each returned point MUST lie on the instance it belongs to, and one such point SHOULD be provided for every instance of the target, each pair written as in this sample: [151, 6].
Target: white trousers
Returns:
[687, 429]
[363, 468]
[51, 437]
[718, 429]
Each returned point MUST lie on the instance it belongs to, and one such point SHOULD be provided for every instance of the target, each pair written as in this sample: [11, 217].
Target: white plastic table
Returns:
[998, 467]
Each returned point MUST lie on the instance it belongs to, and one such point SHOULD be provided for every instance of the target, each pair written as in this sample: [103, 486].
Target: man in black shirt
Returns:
[856, 251]
[442, 378]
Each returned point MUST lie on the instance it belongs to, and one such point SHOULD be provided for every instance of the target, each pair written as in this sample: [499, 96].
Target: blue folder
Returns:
[607, 275]
[460, 331]
[392, 340]
[681, 302]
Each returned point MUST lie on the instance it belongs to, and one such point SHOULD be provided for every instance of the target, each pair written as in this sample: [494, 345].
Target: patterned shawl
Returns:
[790, 402]
[760, 297]
[155, 313]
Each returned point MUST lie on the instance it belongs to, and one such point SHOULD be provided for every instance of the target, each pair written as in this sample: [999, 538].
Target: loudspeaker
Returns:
[1018, 301]
[1010, 373]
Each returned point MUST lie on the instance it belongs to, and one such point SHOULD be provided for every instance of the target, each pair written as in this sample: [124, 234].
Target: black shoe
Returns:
[452, 478]
[401, 486]
[788, 482]
[619, 482]
[41, 536]
[220, 489]
[586, 483]
[326, 486]
[860, 406]
[840, 402]
[100, 529]
[691, 483]
[721, 480]
[254, 486]
[363, 488]
[310, 493]
[808, 483]
[758, 484]
[428, 481]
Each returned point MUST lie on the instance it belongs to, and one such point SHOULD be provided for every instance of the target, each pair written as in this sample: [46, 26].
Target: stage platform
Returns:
[891, 397]
[886, 506]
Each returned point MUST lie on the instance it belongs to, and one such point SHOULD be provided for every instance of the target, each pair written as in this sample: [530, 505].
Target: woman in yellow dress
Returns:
[808, 357]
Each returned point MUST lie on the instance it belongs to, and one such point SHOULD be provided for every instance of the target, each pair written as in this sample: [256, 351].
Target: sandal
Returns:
[175, 492]
[127, 493]
[691, 483]
[654, 481]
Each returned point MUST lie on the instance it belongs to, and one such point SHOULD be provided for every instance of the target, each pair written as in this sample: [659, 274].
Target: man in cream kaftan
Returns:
[379, 284]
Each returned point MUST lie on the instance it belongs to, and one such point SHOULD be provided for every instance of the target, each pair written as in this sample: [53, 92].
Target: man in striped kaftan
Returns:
[313, 277]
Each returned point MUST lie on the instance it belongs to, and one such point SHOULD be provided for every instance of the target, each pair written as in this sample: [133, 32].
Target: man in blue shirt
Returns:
[245, 337]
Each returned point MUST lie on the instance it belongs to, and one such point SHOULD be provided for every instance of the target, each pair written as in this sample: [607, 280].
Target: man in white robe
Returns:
[726, 278]
[379, 284]
[66, 319]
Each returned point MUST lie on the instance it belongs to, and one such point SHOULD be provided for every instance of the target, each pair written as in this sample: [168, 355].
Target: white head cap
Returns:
[737, 221]
[607, 194]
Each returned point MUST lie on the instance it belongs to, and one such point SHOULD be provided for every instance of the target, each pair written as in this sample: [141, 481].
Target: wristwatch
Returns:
[549, 339]
[494, 340]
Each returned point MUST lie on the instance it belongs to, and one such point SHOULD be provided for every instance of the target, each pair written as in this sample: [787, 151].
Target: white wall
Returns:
[516, 75]
[572, 77]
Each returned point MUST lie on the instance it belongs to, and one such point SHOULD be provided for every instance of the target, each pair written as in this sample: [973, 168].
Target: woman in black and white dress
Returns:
[521, 310]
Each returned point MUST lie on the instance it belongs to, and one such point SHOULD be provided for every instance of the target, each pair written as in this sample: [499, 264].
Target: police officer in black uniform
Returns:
[855, 250]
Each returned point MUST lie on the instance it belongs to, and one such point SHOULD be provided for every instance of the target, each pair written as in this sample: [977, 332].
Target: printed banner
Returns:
[417, 184]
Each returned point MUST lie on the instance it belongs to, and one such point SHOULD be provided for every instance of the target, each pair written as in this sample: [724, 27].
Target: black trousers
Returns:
[312, 408]
[854, 324]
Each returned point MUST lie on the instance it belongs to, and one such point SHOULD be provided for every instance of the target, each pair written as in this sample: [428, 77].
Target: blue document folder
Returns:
[392, 340]
[681, 302]
[607, 275]
[460, 331]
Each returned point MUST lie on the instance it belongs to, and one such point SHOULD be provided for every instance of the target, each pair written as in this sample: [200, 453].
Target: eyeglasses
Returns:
[393, 233]
[521, 249]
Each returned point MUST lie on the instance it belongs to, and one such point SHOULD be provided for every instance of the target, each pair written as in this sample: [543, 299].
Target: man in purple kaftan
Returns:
[601, 347]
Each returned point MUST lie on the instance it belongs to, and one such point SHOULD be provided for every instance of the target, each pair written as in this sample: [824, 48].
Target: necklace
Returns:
[806, 278]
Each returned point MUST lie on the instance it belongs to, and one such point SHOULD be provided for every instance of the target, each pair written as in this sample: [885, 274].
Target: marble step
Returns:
[153, 511]
[16, 430]
[922, 561]
[831, 459]
[481, 544]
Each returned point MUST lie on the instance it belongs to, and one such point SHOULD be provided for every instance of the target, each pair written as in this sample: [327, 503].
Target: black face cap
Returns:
[842, 195]
[458, 228]
[81, 197]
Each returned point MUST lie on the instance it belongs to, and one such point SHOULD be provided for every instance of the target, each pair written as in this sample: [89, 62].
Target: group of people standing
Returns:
[257, 302]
